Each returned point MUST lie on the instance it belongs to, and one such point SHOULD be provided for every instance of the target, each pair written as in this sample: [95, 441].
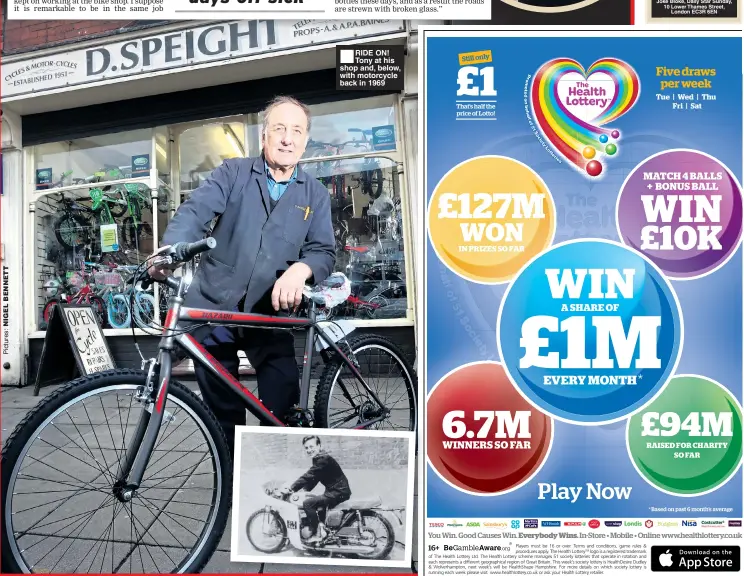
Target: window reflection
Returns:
[368, 228]
[204, 148]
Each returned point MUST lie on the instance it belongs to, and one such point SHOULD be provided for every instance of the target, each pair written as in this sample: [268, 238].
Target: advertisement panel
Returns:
[583, 321]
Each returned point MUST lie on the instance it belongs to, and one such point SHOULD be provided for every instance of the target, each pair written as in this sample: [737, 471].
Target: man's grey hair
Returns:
[278, 101]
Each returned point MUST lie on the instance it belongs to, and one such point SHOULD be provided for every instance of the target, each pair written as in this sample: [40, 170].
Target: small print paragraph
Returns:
[261, 9]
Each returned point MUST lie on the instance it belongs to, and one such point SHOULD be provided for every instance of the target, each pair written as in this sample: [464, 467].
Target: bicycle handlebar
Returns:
[178, 253]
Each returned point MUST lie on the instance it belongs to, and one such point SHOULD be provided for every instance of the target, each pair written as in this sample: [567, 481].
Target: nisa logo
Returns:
[473, 524]
[613, 523]
[495, 524]
[572, 523]
[668, 524]
[734, 523]
[633, 523]
[550, 523]
[690, 523]
[515, 524]
[530, 523]
[454, 523]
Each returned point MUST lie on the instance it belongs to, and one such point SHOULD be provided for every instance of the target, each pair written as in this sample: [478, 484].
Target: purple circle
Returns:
[680, 248]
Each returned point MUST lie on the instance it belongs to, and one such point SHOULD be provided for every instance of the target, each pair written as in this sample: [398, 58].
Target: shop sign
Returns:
[383, 137]
[73, 344]
[109, 238]
[141, 165]
[173, 50]
[43, 178]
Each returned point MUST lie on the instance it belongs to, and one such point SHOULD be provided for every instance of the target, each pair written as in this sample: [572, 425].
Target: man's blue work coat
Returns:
[255, 244]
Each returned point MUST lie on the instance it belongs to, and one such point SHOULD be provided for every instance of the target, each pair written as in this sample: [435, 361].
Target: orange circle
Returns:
[488, 217]
[589, 152]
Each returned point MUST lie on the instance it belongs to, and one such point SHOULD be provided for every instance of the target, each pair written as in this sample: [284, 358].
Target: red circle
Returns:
[593, 523]
[480, 468]
[594, 168]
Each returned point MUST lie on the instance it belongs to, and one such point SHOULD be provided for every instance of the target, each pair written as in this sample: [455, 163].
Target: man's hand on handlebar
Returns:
[162, 262]
[158, 265]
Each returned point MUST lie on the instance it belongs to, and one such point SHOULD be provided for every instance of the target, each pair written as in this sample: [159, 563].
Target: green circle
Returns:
[664, 461]
[611, 149]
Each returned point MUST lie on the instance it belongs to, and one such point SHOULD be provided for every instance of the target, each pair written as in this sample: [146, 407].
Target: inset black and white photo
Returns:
[323, 496]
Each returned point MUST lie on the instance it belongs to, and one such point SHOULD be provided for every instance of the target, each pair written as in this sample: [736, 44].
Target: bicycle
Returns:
[134, 476]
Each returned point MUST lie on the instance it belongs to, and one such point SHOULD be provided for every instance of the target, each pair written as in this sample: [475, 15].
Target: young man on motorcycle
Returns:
[326, 471]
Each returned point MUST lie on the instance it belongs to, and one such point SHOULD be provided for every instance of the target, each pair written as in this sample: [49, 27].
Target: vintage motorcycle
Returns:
[355, 527]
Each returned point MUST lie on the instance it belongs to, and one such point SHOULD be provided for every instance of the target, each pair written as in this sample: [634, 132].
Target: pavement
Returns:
[15, 404]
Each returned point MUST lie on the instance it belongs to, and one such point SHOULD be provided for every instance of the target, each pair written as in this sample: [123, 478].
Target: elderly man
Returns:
[274, 234]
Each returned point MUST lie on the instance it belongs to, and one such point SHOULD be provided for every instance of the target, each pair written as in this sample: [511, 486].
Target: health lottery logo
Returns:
[576, 108]
[552, 6]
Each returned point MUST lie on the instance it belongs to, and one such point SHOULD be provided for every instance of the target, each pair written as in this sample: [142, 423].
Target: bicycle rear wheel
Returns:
[59, 513]
[342, 402]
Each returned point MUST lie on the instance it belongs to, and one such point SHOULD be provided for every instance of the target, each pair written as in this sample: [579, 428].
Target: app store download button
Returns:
[695, 558]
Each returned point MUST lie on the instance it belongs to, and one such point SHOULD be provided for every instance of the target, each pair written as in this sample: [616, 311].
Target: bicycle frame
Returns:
[149, 424]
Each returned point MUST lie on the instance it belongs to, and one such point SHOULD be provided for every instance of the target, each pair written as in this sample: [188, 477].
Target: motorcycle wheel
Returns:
[389, 534]
[258, 516]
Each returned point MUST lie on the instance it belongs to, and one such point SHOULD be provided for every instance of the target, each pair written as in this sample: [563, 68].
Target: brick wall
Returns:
[351, 452]
[27, 35]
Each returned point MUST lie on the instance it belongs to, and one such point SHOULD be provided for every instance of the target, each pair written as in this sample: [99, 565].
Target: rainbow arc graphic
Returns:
[584, 143]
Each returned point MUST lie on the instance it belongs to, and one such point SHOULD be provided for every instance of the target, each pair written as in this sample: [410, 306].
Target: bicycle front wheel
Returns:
[59, 510]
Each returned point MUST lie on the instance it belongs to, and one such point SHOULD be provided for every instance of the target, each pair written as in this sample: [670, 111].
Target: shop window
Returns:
[353, 127]
[89, 241]
[368, 226]
[204, 148]
[94, 206]
[86, 160]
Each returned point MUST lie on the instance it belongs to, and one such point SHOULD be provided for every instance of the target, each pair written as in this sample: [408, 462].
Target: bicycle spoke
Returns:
[96, 437]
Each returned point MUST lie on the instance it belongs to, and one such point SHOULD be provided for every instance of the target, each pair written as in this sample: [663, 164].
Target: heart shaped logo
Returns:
[573, 107]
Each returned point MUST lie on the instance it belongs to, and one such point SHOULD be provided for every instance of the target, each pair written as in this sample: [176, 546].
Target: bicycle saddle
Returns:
[331, 292]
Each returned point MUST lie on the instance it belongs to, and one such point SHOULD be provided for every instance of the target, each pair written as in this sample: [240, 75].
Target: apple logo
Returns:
[665, 559]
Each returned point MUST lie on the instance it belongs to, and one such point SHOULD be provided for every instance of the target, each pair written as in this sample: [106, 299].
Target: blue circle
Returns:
[603, 138]
[596, 394]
